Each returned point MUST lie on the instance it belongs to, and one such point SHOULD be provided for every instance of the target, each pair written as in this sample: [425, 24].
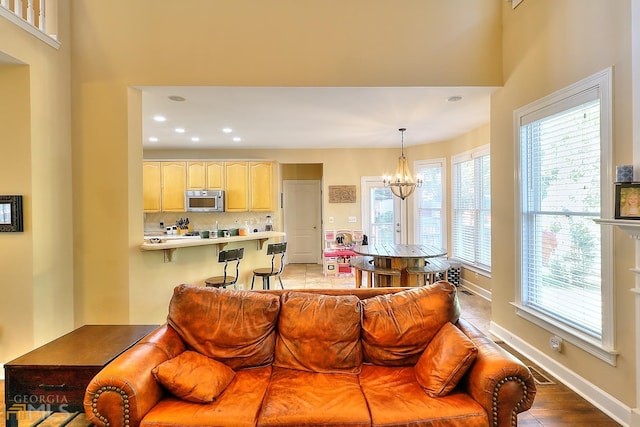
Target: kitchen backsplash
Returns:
[207, 221]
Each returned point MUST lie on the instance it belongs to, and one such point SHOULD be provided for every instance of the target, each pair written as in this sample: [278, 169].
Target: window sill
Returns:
[573, 336]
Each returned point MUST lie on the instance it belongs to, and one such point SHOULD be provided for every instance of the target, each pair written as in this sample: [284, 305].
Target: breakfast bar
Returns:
[169, 244]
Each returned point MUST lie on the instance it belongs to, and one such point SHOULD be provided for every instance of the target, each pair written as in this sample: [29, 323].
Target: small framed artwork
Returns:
[627, 201]
[11, 214]
[342, 194]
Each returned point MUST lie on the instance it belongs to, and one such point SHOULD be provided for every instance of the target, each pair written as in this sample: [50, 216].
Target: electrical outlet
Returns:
[556, 343]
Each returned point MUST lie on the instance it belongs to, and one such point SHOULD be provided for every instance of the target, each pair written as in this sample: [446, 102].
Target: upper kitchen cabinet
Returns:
[236, 189]
[215, 175]
[152, 187]
[205, 176]
[174, 182]
[196, 175]
[261, 186]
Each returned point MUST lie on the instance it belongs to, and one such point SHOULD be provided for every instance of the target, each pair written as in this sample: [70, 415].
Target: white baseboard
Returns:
[608, 404]
[472, 287]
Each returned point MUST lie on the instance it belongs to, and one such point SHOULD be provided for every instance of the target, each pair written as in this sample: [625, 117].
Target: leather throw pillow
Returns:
[445, 360]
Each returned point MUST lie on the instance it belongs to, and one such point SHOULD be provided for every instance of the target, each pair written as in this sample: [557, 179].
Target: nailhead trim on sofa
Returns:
[125, 401]
[496, 391]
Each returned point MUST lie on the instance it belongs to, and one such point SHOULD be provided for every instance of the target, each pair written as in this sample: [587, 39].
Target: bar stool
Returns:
[273, 249]
[225, 280]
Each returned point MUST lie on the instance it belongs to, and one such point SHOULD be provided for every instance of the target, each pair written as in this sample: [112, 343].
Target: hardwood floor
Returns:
[555, 405]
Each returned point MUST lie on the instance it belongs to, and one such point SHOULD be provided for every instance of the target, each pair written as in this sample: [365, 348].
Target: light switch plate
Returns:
[353, 219]
[330, 220]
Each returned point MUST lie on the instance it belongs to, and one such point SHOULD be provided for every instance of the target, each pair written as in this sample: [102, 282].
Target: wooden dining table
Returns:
[398, 257]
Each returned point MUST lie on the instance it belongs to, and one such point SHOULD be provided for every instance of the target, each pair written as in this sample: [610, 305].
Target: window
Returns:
[471, 226]
[563, 155]
[428, 204]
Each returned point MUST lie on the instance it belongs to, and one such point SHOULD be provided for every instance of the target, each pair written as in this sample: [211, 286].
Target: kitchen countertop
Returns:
[169, 243]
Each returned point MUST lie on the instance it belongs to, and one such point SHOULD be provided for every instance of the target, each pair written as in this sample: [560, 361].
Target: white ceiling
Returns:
[310, 117]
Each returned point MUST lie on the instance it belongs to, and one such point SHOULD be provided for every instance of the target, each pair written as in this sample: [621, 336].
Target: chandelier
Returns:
[402, 184]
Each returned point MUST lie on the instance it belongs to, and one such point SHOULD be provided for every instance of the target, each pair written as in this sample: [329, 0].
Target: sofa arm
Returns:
[125, 390]
[497, 380]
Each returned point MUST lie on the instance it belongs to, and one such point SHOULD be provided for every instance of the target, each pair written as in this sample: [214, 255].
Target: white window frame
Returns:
[417, 166]
[603, 348]
[484, 150]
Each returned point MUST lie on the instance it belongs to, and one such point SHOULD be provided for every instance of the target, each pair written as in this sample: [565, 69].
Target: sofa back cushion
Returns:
[396, 328]
[234, 327]
[319, 333]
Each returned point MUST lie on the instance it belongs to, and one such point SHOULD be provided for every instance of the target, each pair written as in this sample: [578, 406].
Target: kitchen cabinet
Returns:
[205, 175]
[261, 187]
[196, 175]
[236, 176]
[215, 175]
[174, 183]
[248, 185]
[151, 186]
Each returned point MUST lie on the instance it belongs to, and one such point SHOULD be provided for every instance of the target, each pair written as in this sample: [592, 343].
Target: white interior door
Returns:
[382, 213]
[302, 216]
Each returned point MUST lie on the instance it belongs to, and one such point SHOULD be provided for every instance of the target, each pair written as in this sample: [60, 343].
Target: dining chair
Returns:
[275, 250]
[228, 256]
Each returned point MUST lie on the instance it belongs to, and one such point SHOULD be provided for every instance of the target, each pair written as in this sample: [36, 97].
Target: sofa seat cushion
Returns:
[297, 398]
[233, 327]
[238, 405]
[396, 399]
[319, 333]
[396, 328]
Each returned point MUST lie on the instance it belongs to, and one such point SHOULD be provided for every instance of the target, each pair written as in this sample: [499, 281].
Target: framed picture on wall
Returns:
[11, 214]
[627, 201]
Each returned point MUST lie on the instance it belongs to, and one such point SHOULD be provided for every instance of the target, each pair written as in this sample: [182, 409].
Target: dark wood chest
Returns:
[54, 377]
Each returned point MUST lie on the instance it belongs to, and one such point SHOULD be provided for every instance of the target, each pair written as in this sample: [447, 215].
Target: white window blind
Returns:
[560, 195]
[428, 202]
[471, 200]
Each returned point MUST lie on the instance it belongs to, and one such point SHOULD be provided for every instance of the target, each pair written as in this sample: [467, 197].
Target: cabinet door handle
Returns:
[51, 387]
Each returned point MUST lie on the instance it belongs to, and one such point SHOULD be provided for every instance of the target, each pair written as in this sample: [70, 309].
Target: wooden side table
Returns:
[54, 377]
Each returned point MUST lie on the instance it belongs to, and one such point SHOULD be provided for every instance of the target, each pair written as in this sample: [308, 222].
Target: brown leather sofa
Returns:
[357, 357]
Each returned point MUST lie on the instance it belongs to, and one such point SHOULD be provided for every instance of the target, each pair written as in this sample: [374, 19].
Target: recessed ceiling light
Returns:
[159, 118]
[237, 139]
[195, 139]
[177, 98]
[153, 139]
[180, 130]
[227, 130]
[454, 98]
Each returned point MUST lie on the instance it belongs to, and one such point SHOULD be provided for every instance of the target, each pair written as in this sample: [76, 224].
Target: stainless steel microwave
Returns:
[204, 201]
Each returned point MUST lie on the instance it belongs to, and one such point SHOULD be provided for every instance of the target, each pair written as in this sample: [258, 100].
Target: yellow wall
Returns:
[37, 264]
[550, 44]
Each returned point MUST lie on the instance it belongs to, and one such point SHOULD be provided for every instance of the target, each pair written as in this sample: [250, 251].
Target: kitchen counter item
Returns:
[171, 244]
